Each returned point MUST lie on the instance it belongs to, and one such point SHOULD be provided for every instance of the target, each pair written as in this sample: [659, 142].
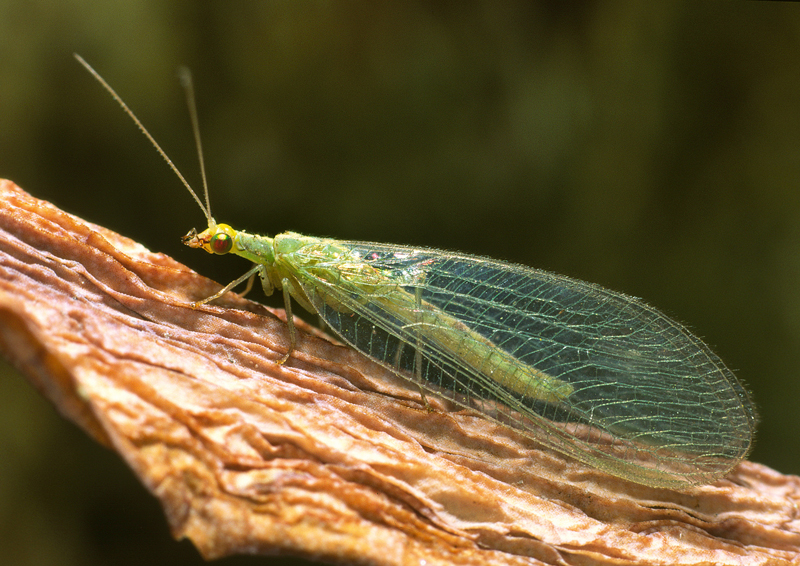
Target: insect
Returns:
[589, 372]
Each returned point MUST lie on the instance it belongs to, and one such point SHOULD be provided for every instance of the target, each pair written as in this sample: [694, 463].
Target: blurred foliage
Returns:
[651, 148]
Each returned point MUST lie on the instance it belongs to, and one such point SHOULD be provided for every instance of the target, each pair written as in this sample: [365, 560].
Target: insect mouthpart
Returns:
[191, 239]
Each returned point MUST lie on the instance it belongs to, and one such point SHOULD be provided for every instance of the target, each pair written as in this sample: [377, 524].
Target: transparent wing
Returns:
[636, 393]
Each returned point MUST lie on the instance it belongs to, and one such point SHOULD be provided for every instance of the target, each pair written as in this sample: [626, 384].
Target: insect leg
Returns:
[400, 347]
[249, 286]
[418, 352]
[287, 305]
[228, 287]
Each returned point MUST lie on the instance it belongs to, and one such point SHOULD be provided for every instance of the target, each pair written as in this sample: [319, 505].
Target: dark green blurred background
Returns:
[654, 149]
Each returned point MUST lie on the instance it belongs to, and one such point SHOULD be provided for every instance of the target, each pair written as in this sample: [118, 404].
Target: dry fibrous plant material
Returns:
[328, 456]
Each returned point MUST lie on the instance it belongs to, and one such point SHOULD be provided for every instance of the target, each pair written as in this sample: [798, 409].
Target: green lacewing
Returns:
[594, 374]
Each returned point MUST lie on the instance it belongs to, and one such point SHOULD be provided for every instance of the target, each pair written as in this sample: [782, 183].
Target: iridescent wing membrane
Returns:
[616, 384]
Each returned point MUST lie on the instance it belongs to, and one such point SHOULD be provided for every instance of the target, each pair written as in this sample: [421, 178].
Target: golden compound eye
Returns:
[221, 243]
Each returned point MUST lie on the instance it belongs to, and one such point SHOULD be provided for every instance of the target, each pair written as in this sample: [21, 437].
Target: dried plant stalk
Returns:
[329, 456]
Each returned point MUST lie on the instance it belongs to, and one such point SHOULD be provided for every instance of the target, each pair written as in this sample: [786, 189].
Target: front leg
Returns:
[287, 305]
[256, 268]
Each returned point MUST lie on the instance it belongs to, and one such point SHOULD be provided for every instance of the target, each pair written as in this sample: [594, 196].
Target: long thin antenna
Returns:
[185, 76]
[206, 209]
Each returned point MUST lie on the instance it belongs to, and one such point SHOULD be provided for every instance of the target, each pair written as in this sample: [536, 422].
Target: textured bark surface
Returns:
[328, 456]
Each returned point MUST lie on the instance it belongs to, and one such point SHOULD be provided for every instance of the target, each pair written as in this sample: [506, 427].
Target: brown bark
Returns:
[328, 456]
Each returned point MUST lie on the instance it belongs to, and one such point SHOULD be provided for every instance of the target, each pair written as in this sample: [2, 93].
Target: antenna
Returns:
[186, 81]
